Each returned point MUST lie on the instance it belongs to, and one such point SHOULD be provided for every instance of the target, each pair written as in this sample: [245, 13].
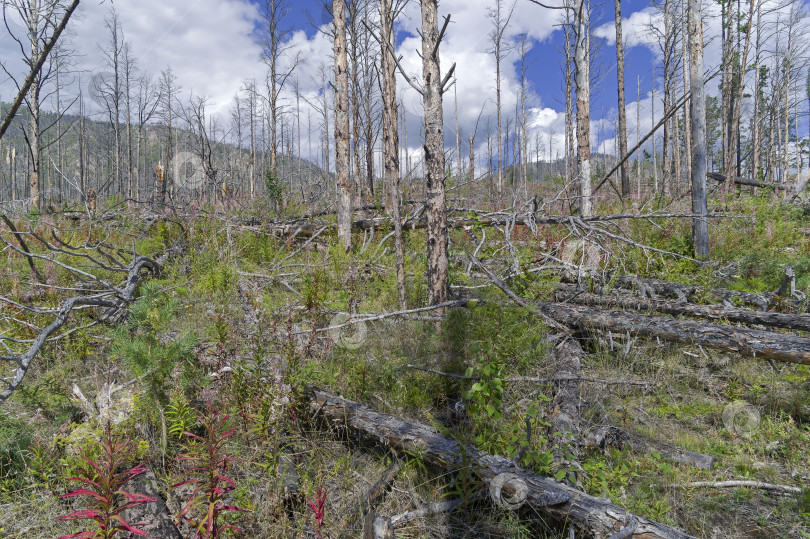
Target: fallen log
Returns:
[799, 322]
[746, 341]
[745, 181]
[564, 418]
[596, 517]
[305, 228]
[785, 489]
[308, 228]
[699, 294]
[614, 436]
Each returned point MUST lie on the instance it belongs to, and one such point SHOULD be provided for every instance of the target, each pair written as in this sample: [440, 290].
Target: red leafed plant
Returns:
[318, 506]
[104, 484]
[208, 461]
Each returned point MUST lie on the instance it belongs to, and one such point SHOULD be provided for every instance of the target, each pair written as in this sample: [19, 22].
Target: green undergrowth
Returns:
[237, 322]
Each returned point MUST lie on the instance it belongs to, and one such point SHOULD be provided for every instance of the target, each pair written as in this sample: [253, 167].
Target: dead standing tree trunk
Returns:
[625, 178]
[434, 87]
[391, 137]
[581, 24]
[342, 126]
[500, 21]
[697, 108]
[583, 88]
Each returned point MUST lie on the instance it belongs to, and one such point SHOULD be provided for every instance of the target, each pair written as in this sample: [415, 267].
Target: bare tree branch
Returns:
[12, 112]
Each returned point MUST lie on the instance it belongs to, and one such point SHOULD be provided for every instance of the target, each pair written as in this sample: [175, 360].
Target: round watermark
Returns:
[187, 169]
[413, 102]
[741, 419]
[101, 89]
[346, 333]
[514, 482]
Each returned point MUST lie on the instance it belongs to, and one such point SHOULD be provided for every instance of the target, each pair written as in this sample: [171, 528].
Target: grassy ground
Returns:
[236, 298]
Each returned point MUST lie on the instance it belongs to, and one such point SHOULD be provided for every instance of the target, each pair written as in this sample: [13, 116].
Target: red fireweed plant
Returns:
[103, 485]
[208, 461]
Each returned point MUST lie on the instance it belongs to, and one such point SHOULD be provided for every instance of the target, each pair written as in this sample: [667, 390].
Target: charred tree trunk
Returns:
[342, 126]
[761, 344]
[472, 157]
[745, 181]
[437, 248]
[569, 294]
[693, 293]
[569, 104]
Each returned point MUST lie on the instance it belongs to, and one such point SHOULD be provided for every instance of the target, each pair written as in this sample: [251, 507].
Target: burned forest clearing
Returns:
[237, 302]
[614, 395]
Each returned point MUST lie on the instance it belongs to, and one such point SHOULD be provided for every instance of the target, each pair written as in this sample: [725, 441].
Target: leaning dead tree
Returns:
[105, 276]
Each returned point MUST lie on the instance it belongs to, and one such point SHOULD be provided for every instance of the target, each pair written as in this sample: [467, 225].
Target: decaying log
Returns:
[570, 294]
[746, 341]
[610, 435]
[745, 181]
[762, 344]
[303, 227]
[785, 489]
[596, 517]
[698, 294]
[564, 416]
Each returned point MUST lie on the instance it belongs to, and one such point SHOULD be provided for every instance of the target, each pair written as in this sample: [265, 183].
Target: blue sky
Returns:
[545, 71]
[211, 46]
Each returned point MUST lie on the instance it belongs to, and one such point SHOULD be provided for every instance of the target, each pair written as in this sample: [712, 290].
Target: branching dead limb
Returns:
[34, 271]
[360, 318]
[114, 300]
[511, 295]
[37, 67]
